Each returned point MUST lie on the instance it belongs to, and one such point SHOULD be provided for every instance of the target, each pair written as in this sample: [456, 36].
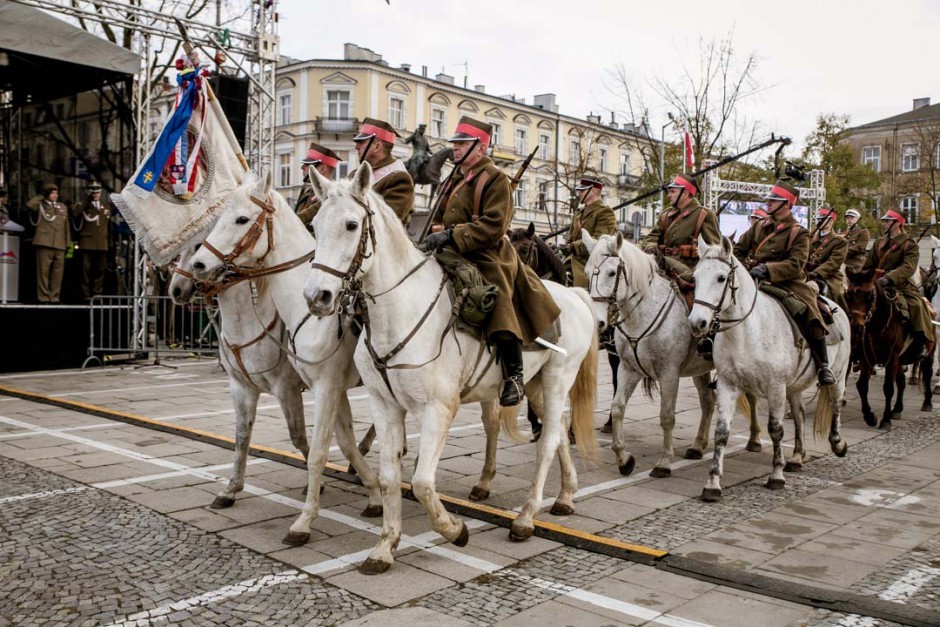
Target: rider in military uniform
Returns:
[893, 258]
[390, 177]
[94, 240]
[593, 216]
[775, 251]
[325, 161]
[676, 232]
[51, 240]
[857, 237]
[826, 256]
[478, 212]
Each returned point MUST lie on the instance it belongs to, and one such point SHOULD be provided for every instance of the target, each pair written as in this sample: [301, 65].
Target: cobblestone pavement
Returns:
[106, 522]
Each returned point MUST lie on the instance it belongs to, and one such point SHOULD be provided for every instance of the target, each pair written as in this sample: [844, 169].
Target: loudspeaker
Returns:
[232, 92]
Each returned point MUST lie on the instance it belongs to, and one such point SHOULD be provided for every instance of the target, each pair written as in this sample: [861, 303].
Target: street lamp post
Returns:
[662, 158]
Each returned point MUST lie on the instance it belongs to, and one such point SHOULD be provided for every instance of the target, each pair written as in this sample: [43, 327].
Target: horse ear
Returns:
[703, 247]
[619, 241]
[320, 184]
[531, 230]
[935, 241]
[263, 185]
[726, 249]
[362, 181]
[589, 242]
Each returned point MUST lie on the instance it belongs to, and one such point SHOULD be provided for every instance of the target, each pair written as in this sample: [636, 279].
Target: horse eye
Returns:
[721, 278]
[352, 225]
[611, 273]
[198, 246]
[241, 220]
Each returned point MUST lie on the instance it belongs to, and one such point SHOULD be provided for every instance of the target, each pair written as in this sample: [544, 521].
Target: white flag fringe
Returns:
[164, 223]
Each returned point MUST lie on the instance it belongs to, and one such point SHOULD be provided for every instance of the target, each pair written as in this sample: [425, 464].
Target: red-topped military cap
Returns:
[469, 130]
[891, 214]
[320, 154]
[783, 191]
[686, 182]
[758, 214]
[826, 212]
[587, 182]
[378, 129]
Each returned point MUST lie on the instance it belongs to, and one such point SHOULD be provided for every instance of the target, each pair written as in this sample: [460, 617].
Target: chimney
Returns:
[920, 103]
[593, 119]
[406, 67]
[546, 101]
[352, 52]
[444, 78]
[480, 88]
[424, 71]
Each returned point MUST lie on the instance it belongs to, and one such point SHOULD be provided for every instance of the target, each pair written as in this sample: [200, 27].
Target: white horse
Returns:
[415, 363]
[654, 342]
[258, 235]
[253, 362]
[755, 352]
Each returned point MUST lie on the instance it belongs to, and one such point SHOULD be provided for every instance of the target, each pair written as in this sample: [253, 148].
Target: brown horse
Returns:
[878, 339]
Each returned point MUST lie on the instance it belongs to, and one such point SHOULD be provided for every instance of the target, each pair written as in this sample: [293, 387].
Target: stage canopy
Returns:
[45, 58]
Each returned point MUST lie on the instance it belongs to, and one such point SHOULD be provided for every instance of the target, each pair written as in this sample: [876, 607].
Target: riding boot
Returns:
[510, 357]
[817, 348]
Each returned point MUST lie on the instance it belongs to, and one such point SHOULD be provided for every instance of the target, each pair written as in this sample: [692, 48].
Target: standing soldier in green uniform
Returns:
[477, 215]
[893, 259]
[391, 179]
[826, 256]
[51, 240]
[676, 232]
[857, 237]
[325, 161]
[94, 240]
[595, 217]
[775, 251]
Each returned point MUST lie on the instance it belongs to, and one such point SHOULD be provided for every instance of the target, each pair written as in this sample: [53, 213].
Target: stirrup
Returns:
[513, 391]
[824, 376]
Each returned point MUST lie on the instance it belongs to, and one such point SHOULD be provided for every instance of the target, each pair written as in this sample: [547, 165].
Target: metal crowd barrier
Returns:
[144, 327]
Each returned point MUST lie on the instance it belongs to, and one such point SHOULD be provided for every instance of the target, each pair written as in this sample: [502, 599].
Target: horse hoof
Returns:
[711, 495]
[222, 502]
[754, 447]
[775, 484]
[374, 567]
[628, 467]
[844, 402]
[535, 436]
[926, 407]
[840, 451]
[520, 534]
[372, 511]
[885, 425]
[296, 539]
[793, 467]
[870, 419]
[479, 494]
[463, 537]
[658, 472]
[693, 453]
[608, 429]
[561, 509]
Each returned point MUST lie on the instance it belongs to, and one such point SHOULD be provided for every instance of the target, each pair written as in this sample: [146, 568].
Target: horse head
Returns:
[523, 240]
[715, 284]
[183, 284]
[861, 297]
[620, 276]
[237, 239]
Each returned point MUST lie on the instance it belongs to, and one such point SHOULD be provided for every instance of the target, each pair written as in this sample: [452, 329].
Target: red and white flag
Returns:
[689, 165]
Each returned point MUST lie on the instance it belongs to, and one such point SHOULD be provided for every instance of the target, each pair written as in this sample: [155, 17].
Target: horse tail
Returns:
[650, 385]
[749, 409]
[509, 422]
[583, 396]
[822, 420]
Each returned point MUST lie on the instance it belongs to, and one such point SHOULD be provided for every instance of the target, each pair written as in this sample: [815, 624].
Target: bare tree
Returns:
[925, 135]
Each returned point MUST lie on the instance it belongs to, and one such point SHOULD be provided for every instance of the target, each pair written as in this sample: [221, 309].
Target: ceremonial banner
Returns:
[187, 179]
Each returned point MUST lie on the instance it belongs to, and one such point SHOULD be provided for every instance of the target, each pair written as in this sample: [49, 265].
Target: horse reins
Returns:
[717, 323]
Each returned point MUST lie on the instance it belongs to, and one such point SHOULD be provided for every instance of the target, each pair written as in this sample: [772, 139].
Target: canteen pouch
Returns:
[477, 297]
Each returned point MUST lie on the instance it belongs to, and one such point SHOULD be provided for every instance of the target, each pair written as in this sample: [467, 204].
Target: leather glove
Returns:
[759, 272]
[437, 241]
[565, 249]
[651, 250]
[884, 281]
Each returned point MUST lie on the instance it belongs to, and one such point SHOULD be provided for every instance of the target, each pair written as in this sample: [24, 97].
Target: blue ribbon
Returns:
[148, 175]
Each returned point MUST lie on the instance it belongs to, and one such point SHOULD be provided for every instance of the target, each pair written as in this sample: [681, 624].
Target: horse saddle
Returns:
[793, 307]
[552, 335]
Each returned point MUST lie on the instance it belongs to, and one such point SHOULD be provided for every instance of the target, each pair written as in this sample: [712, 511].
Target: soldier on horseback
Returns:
[893, 258]
[392, 182]
[593, 216]
[826, 255]
[857, 237]
[775, 251]
[478, 213]
[325, 161]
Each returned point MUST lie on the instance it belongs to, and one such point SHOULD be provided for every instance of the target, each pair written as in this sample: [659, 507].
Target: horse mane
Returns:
[387, 219]
[639, 267]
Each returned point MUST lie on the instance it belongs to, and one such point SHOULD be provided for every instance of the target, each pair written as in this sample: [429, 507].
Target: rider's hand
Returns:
[759, 272]
[651, 249]
[564, 249]
[437, 241]
[884, 281]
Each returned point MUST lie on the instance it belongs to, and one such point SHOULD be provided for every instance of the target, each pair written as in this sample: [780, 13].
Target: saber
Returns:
[555, 347]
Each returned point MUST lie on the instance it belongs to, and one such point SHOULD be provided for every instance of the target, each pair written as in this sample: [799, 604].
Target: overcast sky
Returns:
[867, 58]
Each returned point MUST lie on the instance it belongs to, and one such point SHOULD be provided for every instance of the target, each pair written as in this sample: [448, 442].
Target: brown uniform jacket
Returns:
[398, 191]
[524, 307]
[52, 231]
[826, 256]
[597, 219]
[308, 211]
[897, 259]
[783, 246]
[676, 233]
[857, 238]
[93, 235]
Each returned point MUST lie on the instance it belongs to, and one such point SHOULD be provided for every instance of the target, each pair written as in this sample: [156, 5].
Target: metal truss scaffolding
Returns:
[813, 195]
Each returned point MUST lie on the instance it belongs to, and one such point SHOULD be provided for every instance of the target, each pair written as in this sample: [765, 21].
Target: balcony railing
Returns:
[337, 125]
[628, 180]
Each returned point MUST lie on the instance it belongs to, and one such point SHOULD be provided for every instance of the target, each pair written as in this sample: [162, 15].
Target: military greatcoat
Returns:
[308, 210]
[397, 189]
[897, 259]
[523, 307]
[783, 246]
[597, 219]
[96, 225]
[676, 233]
[826, 256]
[857, 238]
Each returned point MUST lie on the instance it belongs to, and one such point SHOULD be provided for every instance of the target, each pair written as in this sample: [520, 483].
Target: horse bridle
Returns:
[719, 324]
[351, 282]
